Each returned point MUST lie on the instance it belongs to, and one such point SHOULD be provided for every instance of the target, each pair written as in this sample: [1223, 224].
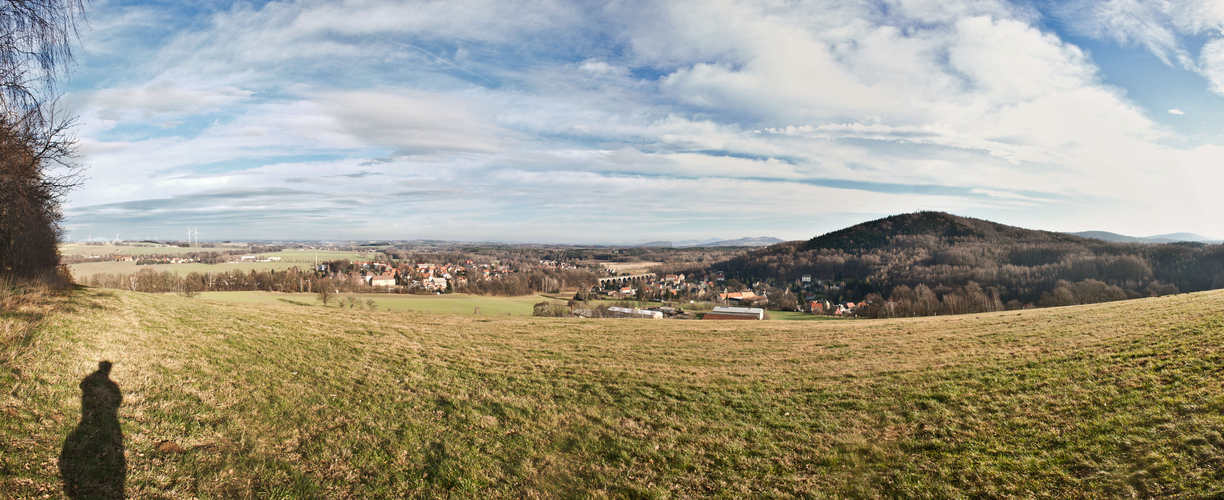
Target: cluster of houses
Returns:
[825, 307]
[255, 258]
[552, 264]
[671, 285]
[719, 313]
[430, 277]
[155, 260]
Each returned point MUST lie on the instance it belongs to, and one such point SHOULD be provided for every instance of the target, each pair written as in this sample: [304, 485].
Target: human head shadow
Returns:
[92, 464]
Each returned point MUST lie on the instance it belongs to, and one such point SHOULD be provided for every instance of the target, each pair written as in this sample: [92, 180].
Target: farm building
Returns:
[382, 280]
[624, 312]
[735, 313]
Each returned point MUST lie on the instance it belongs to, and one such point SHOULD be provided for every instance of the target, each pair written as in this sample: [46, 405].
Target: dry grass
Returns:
[1112, 400]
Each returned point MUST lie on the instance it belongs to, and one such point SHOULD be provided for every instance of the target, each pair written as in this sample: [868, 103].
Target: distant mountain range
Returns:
[758, 241]
[1160, 238]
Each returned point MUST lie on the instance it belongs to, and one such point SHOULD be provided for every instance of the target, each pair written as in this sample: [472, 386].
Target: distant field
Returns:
[289, 258]
[86, 250]
[799, 316]
[88, 269]
[299, 255]
[1117, 400]
[455, 303]
[309, 255]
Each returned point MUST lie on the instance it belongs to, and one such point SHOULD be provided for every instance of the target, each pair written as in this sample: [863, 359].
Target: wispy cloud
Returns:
[567, 121]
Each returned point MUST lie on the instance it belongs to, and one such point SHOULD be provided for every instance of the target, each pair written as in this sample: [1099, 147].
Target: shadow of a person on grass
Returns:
[92, 464]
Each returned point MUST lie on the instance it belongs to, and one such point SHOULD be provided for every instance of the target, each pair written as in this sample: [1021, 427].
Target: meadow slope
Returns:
[281, 401]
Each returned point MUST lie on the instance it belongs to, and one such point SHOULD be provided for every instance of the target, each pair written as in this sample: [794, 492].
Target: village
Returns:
[712, 295]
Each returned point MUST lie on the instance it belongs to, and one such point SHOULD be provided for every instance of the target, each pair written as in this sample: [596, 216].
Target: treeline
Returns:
[968, 265]
[203, 257]
[151, 281]
[299, 280]
[527, 256]
[37, 150]
[530, 282]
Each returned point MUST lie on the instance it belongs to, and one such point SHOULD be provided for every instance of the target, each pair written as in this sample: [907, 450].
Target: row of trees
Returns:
[299, 280]
[152, 281]
[36, 148]
[531, 281]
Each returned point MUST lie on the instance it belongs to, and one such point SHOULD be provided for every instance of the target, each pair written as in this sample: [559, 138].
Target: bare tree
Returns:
[326, 293]
[37, 165]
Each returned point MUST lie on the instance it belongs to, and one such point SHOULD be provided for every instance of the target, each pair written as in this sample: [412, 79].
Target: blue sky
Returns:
[632, 121]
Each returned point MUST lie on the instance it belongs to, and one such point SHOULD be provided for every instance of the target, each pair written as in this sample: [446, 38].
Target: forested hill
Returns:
[945, 227]
[952, 256]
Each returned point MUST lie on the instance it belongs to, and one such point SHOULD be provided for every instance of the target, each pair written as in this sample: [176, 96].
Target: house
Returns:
[749, 313]
[434, 283]
[816, 307]
[382, 280]
[737, 296]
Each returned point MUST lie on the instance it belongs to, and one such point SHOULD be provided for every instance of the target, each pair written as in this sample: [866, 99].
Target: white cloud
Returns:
[160, 99]
[1211, 59]
[1160, 26]
[1143, 22]
[413, 122]
[1176, 111]
[532, 113]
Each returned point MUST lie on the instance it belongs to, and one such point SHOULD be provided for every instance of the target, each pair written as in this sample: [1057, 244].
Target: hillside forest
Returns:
[930, 263]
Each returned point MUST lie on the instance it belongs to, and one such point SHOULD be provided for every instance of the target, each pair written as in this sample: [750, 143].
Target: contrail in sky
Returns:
[430, 54]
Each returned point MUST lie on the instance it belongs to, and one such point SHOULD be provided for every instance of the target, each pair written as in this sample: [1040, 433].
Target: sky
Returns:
[633, 121]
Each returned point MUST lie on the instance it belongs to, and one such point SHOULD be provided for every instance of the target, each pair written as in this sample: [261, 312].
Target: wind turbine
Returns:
[91, 238]
[189, 236]
[197, 235]
[116, 238]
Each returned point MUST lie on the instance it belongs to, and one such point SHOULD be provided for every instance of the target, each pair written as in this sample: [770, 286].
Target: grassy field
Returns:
[455, 303]
[289, 258]
[86, 250]
[284, 401]
[295, 255]
[799, 316]
[459, 303]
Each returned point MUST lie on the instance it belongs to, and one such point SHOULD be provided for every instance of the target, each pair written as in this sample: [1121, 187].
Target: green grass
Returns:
[284, 401]
[798, 316]
[455, 303]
